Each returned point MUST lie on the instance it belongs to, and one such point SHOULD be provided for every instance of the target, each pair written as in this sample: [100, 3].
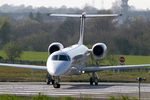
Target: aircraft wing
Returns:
[23, 66]
[98, 68]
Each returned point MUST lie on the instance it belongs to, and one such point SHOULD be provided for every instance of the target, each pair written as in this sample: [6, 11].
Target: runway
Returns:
[76, 89]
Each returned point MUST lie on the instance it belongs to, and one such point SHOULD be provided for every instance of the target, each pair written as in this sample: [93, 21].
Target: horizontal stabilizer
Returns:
[84, 15]
[103, 15]
[65, 15]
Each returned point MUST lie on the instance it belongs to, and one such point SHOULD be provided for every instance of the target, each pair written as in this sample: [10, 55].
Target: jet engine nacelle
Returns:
[99, 50]
[56, 46]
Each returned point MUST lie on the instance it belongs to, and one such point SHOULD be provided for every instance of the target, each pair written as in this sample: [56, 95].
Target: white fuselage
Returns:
[60, 62]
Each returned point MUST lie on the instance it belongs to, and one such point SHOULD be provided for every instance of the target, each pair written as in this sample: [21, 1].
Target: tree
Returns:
[67, 31]
[39, 17]
[12, 50]
[31, 16]
[4, 32]
[36, 42]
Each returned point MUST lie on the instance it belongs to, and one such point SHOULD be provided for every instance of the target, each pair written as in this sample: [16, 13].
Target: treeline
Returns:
[35, 34]
[26, 9]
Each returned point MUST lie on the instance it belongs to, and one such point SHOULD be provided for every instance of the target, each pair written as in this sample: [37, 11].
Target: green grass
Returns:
[19, 74]
[29, 55]
[114, 60]
[34, 56]
[44, 97]
[109, 76]
[131, 59]
[122, 98]
[2, 54]
[38, 97]
[13, 97]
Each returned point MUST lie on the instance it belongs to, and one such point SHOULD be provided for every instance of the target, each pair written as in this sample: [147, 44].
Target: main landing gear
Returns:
[94, 79]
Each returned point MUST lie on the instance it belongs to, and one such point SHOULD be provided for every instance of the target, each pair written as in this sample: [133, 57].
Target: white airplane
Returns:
[69, 61]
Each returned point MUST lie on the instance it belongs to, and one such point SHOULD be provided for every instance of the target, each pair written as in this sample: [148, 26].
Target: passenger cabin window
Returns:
[61, 57]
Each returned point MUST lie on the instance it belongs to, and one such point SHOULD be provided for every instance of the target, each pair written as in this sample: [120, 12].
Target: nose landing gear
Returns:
[94, 79]
[56, 85]
[49, 79]
[56, 82]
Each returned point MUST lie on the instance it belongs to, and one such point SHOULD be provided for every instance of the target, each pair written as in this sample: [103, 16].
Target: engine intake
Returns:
[56, 46]
[99, 50]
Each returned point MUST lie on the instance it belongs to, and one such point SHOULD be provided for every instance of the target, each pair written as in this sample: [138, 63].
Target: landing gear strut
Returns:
[94, 79]
[49, 79]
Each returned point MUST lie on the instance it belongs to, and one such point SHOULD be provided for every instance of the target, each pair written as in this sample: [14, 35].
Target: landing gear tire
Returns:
[48, 81]
[94, 79]
[56, 85]
[91, 81]
[55, 82]
[52, 82]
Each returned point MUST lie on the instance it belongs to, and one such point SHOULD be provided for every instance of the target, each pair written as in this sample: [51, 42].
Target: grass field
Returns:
[39, 97]
[30, 55]
[16, 74]
[130, 59]
[43, 97]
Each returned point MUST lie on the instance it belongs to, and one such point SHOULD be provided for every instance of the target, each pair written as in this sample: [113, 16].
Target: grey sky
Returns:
[139, 4]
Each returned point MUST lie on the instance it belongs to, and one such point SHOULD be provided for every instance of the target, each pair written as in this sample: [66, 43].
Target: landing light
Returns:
[83, 72]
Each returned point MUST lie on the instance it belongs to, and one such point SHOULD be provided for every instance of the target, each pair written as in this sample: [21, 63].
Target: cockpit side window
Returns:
[68, 58]
[64, 57]
[55, 57]
[61, 57]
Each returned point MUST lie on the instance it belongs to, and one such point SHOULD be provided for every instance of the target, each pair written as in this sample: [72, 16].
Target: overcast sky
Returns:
[139, 4]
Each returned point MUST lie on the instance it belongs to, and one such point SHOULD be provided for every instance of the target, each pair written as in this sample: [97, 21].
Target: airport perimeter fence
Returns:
[23, 62]
[132, 70]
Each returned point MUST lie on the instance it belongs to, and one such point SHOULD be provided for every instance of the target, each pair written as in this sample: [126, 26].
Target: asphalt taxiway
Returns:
[76, 89]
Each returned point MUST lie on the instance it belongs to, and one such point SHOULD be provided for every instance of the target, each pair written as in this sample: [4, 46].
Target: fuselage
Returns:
[60, 62]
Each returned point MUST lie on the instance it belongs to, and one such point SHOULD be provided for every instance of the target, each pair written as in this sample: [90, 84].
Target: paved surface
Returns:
[103, 90]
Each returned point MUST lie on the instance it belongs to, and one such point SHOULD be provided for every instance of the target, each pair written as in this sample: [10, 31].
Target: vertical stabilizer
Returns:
[82, 28]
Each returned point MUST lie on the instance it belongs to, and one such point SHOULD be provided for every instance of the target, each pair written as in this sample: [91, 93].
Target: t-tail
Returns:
[83, 16]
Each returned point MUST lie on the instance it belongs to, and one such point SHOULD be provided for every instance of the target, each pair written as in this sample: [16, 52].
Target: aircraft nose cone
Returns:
[58, 68]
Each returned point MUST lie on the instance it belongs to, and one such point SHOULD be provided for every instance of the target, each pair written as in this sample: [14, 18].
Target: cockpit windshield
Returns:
[61, 57]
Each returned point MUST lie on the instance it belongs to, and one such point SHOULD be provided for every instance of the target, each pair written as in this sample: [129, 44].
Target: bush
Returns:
[12, 50]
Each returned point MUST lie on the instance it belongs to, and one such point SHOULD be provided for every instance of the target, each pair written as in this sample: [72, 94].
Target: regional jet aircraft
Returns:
[63, 61]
